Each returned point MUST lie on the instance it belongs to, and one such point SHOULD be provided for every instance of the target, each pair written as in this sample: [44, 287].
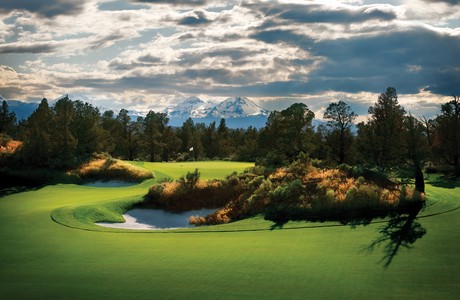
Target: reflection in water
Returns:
[400, 231]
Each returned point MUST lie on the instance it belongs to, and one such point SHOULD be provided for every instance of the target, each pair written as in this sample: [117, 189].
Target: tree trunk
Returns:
[419, 180]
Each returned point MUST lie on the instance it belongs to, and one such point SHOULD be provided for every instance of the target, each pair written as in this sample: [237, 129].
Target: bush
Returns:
[104, 167]
[190, 180]
[288, 194]
[362, 197]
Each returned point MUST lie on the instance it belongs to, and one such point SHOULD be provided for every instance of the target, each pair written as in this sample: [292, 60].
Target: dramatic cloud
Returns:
[174, 2]
[196, 18]
[31, 48]
[452, 2]
[146, 54]
[46, 8]
[316, 13]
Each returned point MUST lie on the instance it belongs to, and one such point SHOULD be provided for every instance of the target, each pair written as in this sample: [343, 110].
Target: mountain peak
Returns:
[192, 107]
[192, 100]
[234, 107]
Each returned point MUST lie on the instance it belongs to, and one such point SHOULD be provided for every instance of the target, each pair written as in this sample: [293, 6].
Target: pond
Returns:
[141, 218]
[110, 183]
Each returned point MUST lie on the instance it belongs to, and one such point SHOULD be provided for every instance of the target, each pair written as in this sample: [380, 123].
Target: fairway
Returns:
[41, 259]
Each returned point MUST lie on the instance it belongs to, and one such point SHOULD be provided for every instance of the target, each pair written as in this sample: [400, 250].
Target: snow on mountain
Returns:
[192, 107]
[235, 107]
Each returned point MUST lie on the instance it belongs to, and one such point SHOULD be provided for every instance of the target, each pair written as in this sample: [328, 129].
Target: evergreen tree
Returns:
[186, 133]
[211, 141]
[7, 119]
[247, 149]
[224, 142]
[286, 134]
[123, 135]
[339, 137]
[86, 129]
[381, 139]
[153, 137]
[65, 142]
[172, 144]
[447, 134]
[109, 128]
[38, 136]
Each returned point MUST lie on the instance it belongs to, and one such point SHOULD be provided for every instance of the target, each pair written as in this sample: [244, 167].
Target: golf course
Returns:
[51, 249]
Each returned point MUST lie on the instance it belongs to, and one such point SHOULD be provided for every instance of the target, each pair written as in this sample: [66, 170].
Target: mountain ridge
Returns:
[232, 107]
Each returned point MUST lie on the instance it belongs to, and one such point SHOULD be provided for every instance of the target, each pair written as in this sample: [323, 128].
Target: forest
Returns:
[68, 133]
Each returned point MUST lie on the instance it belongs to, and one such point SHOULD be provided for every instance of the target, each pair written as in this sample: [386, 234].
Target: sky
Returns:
[150, 54]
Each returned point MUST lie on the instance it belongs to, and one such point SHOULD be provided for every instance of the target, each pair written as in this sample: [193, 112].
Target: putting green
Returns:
[41, 259]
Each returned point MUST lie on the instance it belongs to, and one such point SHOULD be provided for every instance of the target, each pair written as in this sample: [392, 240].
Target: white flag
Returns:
[191, 149]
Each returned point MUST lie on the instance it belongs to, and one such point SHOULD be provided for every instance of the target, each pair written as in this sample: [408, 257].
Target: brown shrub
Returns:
[108, 168]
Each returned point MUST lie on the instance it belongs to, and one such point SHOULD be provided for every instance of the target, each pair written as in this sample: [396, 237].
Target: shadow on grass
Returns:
[5, 191]
[14, 181]
[401, 231]
[278, 225]
[444, 181]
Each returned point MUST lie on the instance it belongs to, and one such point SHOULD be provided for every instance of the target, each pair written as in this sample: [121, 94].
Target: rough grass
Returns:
[113, 169]
[40, 259]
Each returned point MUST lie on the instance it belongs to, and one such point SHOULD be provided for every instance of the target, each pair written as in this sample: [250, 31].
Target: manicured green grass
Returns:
[208, 169]
[40, 259]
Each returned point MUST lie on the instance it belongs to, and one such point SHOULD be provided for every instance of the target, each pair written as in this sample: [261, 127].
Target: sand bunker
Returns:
[140, 218]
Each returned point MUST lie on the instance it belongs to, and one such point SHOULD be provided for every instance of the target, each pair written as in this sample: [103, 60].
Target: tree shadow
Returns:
[278, 225]
[401, 231]
[5, 191]
[445, 181]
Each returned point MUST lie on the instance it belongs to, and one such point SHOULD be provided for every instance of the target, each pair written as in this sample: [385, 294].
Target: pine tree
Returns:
[7, 119]
[65, 142]
[38, 136]
[381, 139]
[340, 119]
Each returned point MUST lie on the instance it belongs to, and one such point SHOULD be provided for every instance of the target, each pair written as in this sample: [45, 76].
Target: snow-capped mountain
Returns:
[238, 112]
[236, 107]
[192, 107]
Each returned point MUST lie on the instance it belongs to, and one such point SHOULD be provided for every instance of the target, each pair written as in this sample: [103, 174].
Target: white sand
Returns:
[156, 219]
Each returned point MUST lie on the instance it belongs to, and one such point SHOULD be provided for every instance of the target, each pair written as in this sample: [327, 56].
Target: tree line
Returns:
[69, 132]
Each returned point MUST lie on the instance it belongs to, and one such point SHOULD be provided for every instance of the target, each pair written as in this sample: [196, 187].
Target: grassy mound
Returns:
[107, 168]
[84, 216]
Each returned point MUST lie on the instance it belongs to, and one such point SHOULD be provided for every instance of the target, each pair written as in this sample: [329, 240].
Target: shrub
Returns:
[363, 197]
[104, 167]
[288, 194]
[190, 180]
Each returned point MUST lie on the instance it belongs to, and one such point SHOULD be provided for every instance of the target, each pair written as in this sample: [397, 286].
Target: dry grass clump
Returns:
[108, 168]
[10, 147]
